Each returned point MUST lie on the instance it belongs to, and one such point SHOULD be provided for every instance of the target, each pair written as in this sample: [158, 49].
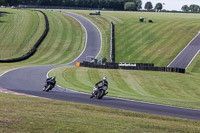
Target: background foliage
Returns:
[114, 4]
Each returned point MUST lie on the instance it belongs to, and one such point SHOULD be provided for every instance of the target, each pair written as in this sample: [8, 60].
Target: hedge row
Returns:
[138, 66]
[34, 49]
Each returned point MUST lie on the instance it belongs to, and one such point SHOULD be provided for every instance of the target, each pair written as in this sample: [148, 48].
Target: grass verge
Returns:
[194, 67]
[175, 89]
[26, 114]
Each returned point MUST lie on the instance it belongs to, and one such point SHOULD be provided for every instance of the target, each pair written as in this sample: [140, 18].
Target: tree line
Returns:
[191, 8]
[185, 8]
[131, 5]
[112, 4]
[149, 6]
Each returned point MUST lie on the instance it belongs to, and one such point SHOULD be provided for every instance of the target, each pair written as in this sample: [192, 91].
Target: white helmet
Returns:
[104, 78]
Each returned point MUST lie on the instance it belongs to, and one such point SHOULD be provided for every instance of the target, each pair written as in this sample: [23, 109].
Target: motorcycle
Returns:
[99, 92]
[49, 85]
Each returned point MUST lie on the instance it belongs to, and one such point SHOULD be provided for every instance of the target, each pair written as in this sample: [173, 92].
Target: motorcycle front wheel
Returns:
[100, 94]
[48, 88]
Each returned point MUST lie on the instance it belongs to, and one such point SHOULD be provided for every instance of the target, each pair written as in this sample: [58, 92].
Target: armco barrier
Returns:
[34, 49]
[139, 66]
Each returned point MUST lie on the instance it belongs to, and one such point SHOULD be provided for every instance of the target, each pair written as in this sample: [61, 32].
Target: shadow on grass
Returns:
[4, 13]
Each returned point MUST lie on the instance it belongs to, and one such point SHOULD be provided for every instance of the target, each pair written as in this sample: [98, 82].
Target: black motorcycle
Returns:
[99, 92]
[49, 84]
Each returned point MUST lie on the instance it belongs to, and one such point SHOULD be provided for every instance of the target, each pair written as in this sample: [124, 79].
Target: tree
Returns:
[130, 6]
[148, 6]
[119, 4]
[2, 2]
[158, 7]
[194, 8]
[185, 8]
[138, 4]
[102, 3]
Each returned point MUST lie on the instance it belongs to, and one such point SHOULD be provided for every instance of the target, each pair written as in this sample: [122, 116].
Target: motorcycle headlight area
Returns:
[95, 88]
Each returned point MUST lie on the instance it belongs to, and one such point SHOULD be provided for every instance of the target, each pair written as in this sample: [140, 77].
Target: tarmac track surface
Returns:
[186, 56]
[30, 80]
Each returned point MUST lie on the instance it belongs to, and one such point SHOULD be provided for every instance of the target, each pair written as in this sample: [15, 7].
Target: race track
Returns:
[30, 80]
[186, 56]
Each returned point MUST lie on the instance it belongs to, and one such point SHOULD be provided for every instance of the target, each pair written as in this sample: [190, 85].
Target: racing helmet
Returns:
[104, 78]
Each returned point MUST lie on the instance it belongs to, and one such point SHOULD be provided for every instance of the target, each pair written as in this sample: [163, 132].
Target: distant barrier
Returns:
[122, 64]
[132, 66]
[112, 43]
[34, 49]
[96, 13]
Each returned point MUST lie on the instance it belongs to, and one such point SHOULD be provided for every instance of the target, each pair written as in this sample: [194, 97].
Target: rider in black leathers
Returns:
[104, 86]
[51, 80]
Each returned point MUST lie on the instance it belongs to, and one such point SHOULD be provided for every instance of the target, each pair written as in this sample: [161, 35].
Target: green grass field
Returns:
[158, 42]
[64, 42]
[20, 30]
[32, 115]
[143, 41]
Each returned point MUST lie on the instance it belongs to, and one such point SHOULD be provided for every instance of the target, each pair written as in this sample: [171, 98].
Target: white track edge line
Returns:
[85, 41]
[136, 101]
[95, 26]
[192, 59]
[183, 49]
[16, 69]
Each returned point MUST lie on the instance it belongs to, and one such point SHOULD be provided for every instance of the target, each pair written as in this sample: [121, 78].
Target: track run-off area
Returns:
[30, 81]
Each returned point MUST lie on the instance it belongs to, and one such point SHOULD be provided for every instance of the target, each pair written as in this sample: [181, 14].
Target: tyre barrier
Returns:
[112, 43]
[37, 44]
[130, 66]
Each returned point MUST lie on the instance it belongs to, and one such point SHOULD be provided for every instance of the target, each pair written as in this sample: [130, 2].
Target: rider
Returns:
[51, 80]
[104, 86]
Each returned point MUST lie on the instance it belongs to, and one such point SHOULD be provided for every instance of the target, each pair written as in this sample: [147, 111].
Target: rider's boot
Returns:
[92, 95]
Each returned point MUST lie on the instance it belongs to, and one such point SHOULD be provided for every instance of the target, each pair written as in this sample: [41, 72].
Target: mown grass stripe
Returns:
[43, 49]
[158, 51]
[65, 41]
[26, 24]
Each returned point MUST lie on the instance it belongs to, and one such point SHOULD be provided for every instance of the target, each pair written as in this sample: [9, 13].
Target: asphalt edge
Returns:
[184, 49]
